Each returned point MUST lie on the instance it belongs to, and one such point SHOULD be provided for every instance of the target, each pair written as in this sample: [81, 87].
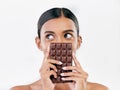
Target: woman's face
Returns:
[59, 30]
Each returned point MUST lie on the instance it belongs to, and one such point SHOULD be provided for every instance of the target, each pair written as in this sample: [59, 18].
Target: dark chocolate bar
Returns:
[63, 53]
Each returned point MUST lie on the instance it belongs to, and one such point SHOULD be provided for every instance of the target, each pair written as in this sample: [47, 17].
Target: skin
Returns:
[60, 30]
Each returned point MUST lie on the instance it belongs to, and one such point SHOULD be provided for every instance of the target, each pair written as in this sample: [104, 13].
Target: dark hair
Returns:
[56, 13]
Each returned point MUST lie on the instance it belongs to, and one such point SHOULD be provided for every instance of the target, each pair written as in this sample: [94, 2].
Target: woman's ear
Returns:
[38, 43]
[79, 42]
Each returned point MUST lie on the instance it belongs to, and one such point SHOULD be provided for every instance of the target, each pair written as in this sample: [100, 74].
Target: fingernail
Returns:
[62, 74]
[64, 68]
[63, 78]
[60, 62]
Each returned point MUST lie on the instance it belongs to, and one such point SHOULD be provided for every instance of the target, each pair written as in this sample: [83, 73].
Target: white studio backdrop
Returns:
[99, 54]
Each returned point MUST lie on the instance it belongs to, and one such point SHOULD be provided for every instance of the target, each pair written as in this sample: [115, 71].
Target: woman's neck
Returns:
[64, 86]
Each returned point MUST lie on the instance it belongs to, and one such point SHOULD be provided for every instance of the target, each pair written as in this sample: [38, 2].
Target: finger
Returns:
[52, 73]
[53, 67]
[72, 78]
[72, 68]
[76, 69]
[54, 61]
[75, 74]
[76, 61]
[71, 74]
[47, 67]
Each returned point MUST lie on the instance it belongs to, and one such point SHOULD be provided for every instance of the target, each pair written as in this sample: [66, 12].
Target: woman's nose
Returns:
[60, 40]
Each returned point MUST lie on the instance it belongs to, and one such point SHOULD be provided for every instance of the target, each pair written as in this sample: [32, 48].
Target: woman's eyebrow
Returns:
[70, 30]
[49, 32]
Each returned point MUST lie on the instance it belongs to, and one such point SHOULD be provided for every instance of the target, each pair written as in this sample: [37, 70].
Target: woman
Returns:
[59, 25]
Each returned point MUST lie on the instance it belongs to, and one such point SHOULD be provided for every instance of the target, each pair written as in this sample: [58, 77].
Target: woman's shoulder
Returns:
[21, 87]
[96, 86]
[37, 86]
[34, 86]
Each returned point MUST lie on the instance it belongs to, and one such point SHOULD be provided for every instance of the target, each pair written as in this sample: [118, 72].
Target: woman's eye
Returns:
[50, 36]
[68, 36]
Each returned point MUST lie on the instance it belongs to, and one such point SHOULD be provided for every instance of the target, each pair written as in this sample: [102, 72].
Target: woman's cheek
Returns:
[74, 45]
[44, 45]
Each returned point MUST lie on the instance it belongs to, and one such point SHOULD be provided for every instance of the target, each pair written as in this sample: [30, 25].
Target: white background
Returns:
[99, 54]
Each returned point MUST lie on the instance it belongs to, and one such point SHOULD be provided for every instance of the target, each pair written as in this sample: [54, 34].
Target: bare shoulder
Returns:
[22, 87]
[34, 86]
[96, 86]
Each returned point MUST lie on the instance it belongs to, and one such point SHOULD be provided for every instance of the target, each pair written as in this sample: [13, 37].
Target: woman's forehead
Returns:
[58, 24]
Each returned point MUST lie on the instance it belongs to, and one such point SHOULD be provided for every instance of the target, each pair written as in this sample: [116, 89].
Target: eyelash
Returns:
[47, 36]
[68, 34]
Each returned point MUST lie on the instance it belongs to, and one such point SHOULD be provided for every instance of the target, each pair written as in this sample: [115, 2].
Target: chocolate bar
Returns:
[63, 53]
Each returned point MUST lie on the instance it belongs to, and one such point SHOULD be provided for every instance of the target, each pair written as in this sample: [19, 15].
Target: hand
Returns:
[45, 72]
[77, 75]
